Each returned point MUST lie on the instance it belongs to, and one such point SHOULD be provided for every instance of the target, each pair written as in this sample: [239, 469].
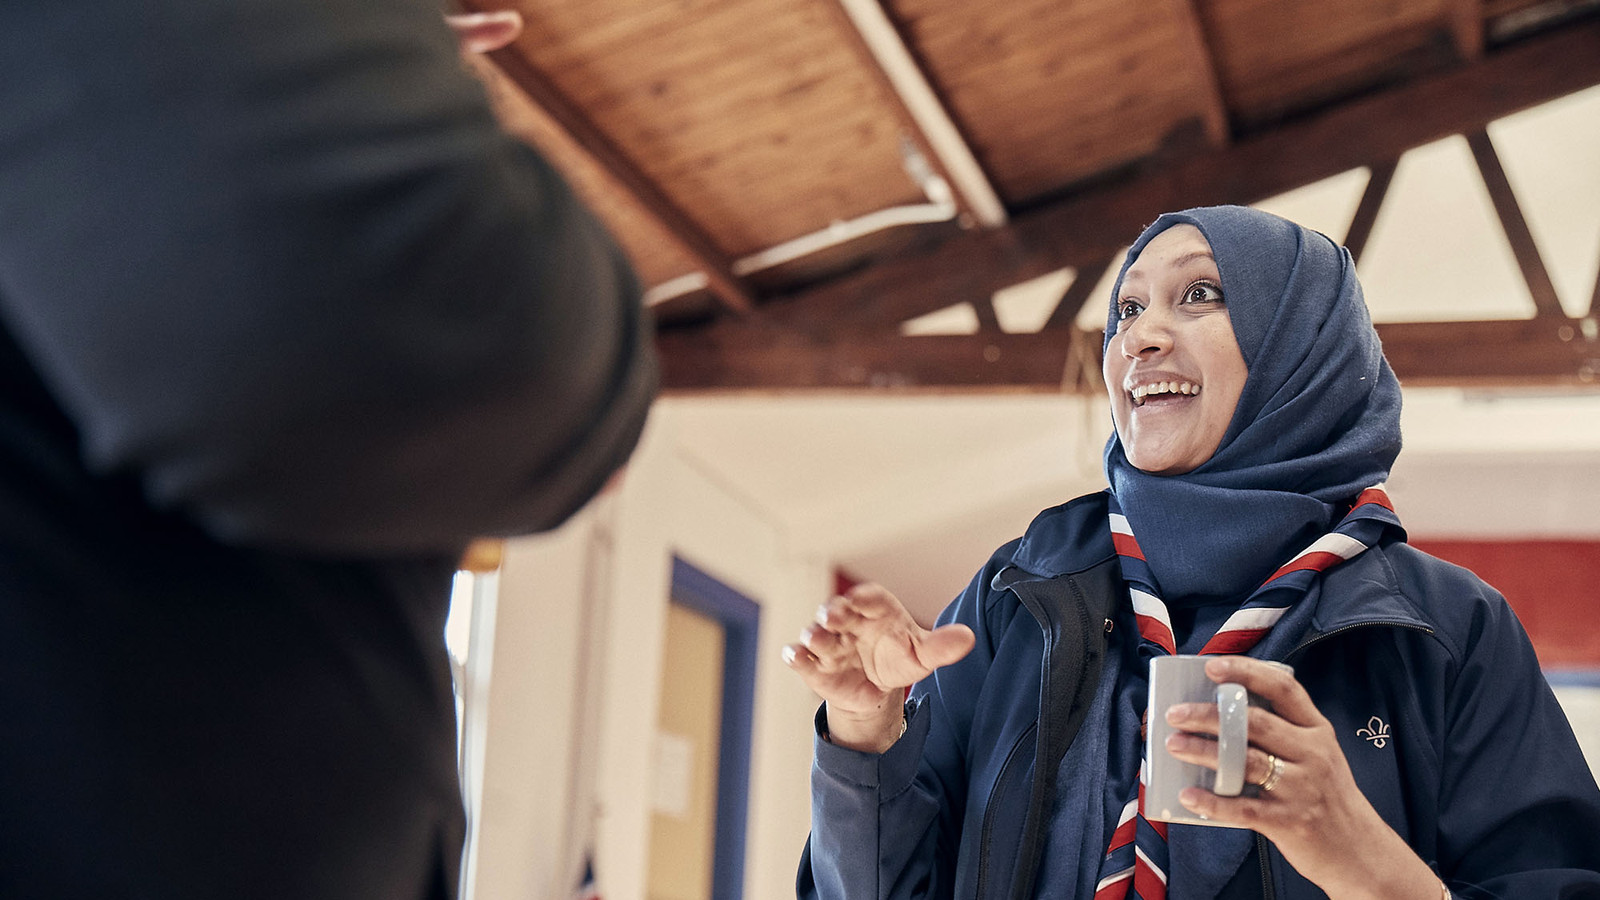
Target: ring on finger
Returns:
[1274, 772]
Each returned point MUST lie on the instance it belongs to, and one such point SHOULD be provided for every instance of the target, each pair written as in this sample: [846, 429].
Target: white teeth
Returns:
[1187, 388]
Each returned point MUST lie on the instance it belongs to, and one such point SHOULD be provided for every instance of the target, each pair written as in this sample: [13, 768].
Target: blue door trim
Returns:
[741, 619]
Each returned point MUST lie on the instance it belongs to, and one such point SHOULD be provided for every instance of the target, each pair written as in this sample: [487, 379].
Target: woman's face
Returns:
[1173, 369]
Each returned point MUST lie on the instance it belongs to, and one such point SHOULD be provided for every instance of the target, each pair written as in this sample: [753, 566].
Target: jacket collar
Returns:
[1075, 536]
[1068, 538]
[1365, 591]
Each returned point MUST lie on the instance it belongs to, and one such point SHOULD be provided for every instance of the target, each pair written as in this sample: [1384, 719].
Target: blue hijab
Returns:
[1318, 419]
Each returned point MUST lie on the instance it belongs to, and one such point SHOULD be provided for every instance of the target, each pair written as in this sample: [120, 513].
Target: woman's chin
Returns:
[1159, 463]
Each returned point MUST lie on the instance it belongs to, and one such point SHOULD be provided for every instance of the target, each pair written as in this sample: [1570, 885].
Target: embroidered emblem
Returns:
[1376, 732]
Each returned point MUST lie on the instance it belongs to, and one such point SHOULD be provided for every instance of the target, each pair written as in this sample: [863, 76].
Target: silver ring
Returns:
[1274, 772]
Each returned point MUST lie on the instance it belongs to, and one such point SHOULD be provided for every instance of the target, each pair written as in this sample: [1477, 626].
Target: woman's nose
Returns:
[1147, 334]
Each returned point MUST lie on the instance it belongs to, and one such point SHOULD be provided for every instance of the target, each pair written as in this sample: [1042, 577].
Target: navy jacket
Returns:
[1471, 760]
[285, 321]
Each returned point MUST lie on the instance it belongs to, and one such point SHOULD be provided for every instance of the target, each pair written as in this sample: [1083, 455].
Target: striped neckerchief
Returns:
[1135, 864]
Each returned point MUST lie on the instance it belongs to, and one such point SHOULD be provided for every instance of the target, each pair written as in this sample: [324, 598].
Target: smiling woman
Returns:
[1173, 367]
[1255, 422]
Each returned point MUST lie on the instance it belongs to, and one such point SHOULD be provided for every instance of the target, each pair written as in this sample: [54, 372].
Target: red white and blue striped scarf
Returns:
[1135, 864]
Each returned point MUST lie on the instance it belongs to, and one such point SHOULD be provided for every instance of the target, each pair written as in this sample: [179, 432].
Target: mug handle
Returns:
[1233, 738]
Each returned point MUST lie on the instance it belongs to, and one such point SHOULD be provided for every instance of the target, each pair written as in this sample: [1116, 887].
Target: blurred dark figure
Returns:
[285, 321]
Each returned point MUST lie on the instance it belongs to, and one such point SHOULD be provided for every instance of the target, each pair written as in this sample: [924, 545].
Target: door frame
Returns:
[740, 618]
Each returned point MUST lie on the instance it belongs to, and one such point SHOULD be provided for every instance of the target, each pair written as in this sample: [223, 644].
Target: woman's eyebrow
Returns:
[1190, 257]
[1137, 274]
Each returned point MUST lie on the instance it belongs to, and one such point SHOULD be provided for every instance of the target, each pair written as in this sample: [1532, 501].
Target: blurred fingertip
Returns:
[491, 17]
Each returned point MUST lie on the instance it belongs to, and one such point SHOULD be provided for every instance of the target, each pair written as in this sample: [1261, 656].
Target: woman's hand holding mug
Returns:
[1314, 812]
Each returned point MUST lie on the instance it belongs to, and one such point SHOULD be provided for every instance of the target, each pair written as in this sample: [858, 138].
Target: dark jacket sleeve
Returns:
[277, 261]
[888, 826]
[1519, 812]
[1500, 800]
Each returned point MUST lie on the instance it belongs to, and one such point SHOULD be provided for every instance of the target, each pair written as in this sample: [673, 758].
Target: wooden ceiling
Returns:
[749, 155]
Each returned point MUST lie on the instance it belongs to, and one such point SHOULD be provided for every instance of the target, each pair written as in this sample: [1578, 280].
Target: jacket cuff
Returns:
[889, 772]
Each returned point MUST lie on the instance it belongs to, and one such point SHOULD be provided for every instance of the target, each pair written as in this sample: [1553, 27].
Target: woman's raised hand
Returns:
[1313, 812]
[861, 653]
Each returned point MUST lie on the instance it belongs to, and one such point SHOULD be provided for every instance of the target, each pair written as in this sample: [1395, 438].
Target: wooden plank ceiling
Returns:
[796, 178]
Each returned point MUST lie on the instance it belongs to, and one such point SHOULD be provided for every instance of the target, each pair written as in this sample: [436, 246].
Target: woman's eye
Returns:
[1127, 309]
[1202, 292]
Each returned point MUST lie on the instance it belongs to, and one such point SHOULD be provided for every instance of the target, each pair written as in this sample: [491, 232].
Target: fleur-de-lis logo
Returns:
[1376, 732]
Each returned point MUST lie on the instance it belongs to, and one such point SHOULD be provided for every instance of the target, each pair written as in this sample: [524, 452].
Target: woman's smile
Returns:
[1173, 366]
[1159, 392]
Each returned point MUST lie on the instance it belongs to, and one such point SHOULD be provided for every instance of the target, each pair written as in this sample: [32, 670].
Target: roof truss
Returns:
[844, 333]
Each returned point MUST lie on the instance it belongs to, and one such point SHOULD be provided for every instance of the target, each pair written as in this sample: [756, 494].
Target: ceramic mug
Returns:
[1182, 679]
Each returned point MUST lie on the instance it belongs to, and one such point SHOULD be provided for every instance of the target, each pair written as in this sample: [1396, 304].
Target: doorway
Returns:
[702, 736]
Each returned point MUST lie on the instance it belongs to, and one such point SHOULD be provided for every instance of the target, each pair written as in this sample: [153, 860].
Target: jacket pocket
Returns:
[1004, 817]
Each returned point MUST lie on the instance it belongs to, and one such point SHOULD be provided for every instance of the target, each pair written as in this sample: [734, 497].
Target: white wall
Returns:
[525, 677]
[607, 574]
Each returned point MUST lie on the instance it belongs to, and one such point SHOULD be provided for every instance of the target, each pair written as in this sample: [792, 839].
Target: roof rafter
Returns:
[842, 334]
[1077, 293]
[1355, 239]
[1214, 114]
[868, 29]
[1515, 225]
[1594, 299]
[1514, 352]
[570, 125]
[1085, 228]
[1467, 27]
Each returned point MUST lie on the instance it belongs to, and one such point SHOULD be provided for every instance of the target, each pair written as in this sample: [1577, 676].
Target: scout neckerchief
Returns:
[1137, 857]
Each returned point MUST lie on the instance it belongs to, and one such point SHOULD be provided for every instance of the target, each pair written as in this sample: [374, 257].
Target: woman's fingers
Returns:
[873, 601]
[1244, 812]
[1202, 751]
[832, 650]
[1266, 729]
[485, 32]
[839, 614]
[808, 667]
[800, 659]
[1259, 766]
[1274, 683]
[945, 645]
[863, 644]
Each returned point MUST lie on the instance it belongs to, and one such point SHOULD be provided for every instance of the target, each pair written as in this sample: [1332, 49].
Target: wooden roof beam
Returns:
[1077, 293]
[1513, 353]
[1084, 229]
[1515, 226]
[1467, 27]
[576, 129]
[867, 27]
[1594, 300]
[1355, 239]
[1214, 109]
[1507, 353]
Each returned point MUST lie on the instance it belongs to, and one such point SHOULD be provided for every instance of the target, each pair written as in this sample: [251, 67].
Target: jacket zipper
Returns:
[1036, 731]
[1007, 772]
[1344, 629]
[1263, 853]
